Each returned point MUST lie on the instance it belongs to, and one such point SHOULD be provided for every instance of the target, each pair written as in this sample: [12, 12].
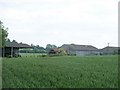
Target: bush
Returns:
[44, 55]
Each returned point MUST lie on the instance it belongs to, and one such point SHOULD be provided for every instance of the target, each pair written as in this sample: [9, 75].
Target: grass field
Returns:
[60, 72]
[32, 54]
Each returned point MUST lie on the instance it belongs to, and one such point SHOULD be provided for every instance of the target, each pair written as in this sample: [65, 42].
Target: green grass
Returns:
[32, 54]
[60, 72]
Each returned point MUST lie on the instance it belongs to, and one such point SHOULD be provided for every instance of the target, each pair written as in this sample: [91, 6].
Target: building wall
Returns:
[72, 52]
[16, 51]
[110, 51]
[84, 53]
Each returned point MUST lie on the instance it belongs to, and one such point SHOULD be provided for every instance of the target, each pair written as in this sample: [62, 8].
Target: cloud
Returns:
[61, 21]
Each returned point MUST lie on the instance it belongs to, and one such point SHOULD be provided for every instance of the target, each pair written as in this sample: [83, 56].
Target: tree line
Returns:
[38, 49]
[3, 34]
[34, 49]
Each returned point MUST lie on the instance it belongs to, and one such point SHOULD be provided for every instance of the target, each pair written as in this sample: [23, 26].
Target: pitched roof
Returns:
[78, 47]
[109, 49]
[15, 44]
[56, 49]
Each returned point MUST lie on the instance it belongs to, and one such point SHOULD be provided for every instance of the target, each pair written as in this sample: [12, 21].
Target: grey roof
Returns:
[75, 47]
[109, 49]
[15, 44]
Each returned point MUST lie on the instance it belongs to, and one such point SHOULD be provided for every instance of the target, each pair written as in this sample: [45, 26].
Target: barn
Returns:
[80, 50]
[109, 50]
[12, 49]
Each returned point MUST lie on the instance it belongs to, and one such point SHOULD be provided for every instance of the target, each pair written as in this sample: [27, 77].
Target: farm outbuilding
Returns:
[12, 49]
[80, 50]
[54, 51]
[109, 50]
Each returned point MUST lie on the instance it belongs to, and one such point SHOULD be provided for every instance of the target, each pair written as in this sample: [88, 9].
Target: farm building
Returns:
[57, 51]
[109, 50]
[12, 49]
[54, 51]
[80, 50]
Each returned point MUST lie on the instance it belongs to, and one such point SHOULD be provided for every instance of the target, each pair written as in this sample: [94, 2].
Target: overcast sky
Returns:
[84, 22]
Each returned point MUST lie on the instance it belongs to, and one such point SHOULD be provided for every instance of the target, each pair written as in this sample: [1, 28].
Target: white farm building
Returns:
[80, 50]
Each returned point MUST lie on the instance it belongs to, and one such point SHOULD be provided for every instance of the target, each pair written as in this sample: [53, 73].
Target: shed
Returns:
[12, 48]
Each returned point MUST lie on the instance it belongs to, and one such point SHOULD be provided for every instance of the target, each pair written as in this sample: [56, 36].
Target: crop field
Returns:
[60, 72]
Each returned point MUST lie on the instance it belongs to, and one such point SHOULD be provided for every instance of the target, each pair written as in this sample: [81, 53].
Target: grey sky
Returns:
[86, 22]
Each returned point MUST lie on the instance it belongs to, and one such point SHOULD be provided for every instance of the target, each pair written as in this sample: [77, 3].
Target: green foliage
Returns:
[35, 49]
[33, 54]
[3, 34]
[62, 51]
[14, 41]
[49, 47]
[60, 72]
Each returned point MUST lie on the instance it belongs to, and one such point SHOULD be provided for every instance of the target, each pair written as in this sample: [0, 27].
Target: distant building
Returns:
[54, 51]
[109, 50]
[80, 50]
[12, 49]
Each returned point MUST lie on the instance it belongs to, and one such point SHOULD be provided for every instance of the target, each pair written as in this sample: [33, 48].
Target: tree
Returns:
[3, 34]
[54, 46]
[14, 41]
[49, 47]
[35, 49]
[8, 40]
[62, 51]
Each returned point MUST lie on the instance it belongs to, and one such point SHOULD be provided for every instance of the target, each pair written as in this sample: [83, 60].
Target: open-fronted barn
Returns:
[12, 49]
